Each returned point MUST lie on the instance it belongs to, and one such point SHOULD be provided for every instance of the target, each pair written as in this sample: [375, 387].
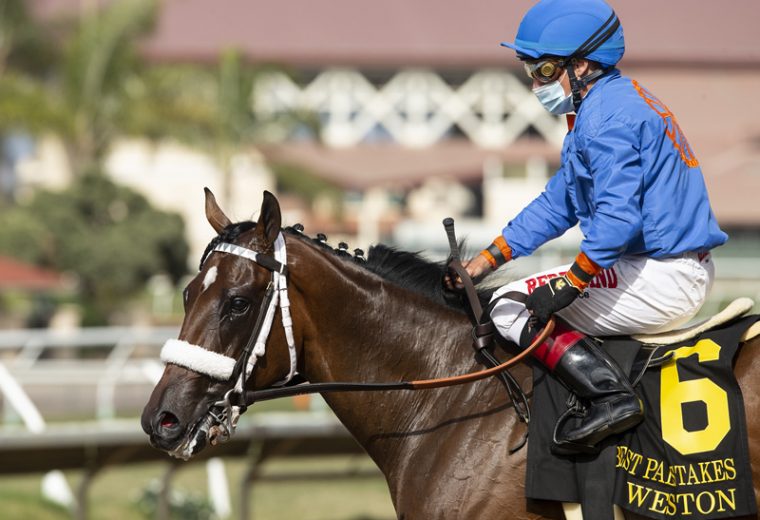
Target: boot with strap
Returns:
[608, 403]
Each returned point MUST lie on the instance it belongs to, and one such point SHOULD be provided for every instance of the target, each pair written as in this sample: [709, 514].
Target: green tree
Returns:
[82, 89]
[94, 88]
[90, 87]
[211, 108]
[107, 235]
[100, 63]
[23, 45]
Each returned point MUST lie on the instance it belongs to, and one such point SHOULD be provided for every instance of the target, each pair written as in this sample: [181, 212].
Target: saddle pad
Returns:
[690, 457]
[733, 310]
[696, 398]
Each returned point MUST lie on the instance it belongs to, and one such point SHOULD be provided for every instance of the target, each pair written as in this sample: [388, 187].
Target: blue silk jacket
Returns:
[628, 176]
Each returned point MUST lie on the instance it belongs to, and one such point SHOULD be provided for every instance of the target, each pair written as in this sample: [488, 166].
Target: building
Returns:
[423, 114]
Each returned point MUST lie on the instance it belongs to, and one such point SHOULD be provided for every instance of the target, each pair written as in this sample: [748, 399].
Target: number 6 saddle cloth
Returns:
[690, 456]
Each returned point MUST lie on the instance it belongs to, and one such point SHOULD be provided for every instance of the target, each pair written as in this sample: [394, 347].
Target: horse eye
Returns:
[239, 305]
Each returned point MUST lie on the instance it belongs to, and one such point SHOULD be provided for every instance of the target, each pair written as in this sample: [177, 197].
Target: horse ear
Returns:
[214, 213]
[270, 218]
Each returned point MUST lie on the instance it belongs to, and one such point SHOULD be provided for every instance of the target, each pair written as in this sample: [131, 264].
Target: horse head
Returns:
[228, 305]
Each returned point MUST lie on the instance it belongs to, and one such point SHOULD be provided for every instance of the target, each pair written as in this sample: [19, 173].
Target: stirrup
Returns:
[567, 447]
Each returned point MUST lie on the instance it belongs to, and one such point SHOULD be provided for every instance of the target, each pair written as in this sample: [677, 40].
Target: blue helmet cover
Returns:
[559, 27]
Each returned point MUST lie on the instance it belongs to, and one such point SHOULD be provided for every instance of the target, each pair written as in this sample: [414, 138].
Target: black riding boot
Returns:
[609, 403]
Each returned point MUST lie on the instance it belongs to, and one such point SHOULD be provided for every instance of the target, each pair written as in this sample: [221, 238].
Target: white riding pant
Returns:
[637, 295]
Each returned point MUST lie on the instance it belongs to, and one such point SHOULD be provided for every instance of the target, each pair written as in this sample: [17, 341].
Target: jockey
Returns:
[630, 179]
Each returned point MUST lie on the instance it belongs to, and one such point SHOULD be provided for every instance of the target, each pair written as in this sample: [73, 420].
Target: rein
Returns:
[423, 384]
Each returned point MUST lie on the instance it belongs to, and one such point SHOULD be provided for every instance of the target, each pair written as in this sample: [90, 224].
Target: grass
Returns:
[116, 491]
[19, 501]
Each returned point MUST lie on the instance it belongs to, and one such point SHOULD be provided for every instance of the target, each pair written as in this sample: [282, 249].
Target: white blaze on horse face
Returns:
[209, 278]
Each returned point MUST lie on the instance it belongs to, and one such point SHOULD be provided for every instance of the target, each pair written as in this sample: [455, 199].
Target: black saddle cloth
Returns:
[594, 481]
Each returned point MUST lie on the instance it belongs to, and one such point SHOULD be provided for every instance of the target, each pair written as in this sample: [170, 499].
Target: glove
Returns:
[547, 299]
[561, 291]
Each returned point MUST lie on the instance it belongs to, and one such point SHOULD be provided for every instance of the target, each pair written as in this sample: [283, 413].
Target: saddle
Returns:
[733, 310]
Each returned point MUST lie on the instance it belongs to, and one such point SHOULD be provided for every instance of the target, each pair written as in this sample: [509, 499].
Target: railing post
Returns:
[218, 488]
[81, 511]
[163, 501]
[255, 456]
[106, 389]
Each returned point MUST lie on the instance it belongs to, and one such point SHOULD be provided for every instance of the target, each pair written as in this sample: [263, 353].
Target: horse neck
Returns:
[362, 328]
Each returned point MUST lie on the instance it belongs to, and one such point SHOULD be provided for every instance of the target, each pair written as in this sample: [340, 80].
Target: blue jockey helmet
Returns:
[570, 28]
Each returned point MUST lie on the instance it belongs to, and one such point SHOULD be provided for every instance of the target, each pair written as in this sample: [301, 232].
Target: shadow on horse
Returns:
[444, 452]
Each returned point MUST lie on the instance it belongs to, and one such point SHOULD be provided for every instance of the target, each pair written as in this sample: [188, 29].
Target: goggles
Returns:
[544, 71]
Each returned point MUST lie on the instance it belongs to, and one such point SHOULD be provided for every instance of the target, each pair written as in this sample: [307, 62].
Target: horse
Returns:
[445, 453]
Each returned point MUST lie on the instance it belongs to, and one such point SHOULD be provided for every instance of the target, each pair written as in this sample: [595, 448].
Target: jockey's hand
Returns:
[476, 267]
[547, 299]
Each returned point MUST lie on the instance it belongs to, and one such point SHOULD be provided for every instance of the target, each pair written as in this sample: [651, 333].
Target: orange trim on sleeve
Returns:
[577, 282]
[503, 247]
[589, 267]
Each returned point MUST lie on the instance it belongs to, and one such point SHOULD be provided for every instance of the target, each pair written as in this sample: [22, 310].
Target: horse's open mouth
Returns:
[194, 441]
[215, 427]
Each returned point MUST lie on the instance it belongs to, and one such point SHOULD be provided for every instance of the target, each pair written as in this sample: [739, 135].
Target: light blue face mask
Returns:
[554, 99]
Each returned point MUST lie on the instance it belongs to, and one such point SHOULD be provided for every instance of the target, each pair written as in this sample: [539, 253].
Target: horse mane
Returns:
[412, 271]
[404, 268]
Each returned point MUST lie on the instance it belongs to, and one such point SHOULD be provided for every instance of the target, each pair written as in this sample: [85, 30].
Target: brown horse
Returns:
[444, 452]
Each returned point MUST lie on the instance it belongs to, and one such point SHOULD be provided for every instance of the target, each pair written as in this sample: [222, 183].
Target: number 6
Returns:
[674, 393]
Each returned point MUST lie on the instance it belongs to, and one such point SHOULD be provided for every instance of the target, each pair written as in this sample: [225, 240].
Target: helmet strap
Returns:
[578, 84]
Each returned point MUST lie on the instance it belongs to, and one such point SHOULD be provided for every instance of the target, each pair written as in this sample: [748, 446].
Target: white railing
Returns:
[103, 357]
[52, 357]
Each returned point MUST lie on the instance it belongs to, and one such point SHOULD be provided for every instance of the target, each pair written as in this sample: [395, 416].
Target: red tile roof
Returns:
[460, 34]
[15, 274]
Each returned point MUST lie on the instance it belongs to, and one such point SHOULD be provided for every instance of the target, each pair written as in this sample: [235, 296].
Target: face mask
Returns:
[553, 97]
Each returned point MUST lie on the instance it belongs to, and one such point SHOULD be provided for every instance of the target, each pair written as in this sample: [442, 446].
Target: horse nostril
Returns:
[167, 421]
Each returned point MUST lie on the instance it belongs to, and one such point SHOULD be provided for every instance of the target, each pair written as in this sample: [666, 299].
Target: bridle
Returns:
[221, 419]
[220, 422]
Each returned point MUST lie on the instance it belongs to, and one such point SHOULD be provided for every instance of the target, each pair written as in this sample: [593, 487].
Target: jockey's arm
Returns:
[548, 216]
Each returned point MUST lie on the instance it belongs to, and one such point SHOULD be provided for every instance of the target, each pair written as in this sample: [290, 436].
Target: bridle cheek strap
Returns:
[281, 284]
[220, 422]
[280, 281]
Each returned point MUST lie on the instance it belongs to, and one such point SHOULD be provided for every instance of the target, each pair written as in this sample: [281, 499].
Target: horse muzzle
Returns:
[168, 434]
[215, 426]
[163, 428]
